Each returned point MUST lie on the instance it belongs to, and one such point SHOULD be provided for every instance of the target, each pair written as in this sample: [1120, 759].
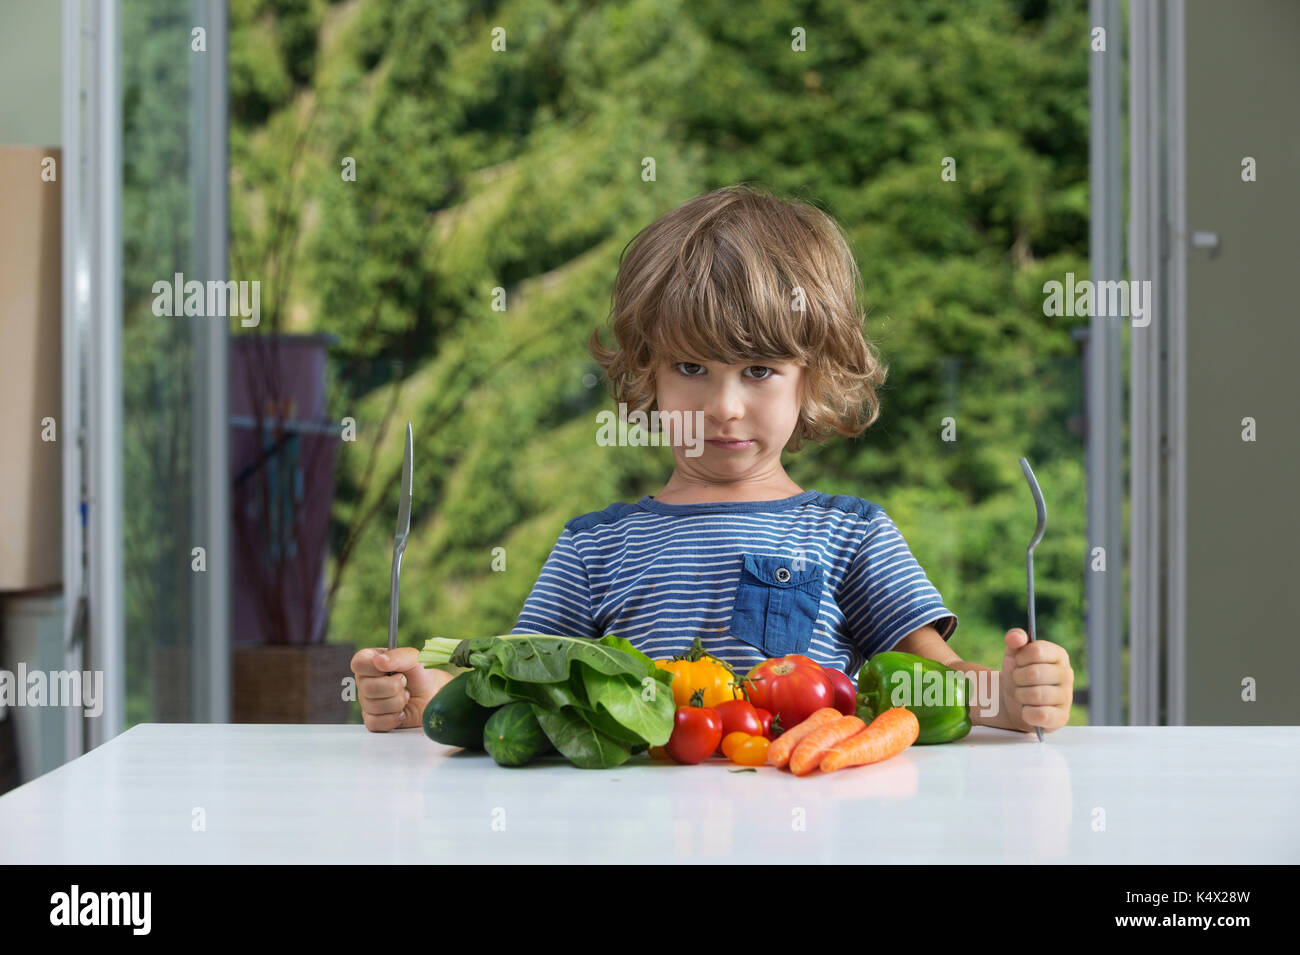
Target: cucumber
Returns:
[513, 737]
[453, 719]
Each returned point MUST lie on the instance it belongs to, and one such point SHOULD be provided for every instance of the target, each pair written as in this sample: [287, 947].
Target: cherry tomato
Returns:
[791, 687]
[697, 731]
[846, 696]
[752, 751]
[765, 718]
[730, 741]
[745, 749]
[739, 716]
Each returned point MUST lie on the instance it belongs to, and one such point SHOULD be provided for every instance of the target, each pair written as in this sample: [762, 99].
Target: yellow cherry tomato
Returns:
[752, 751]
[731, 741]
[745, 749]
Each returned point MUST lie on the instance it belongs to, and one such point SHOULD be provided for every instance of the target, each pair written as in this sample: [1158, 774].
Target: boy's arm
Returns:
[926, 642]
[885, 591]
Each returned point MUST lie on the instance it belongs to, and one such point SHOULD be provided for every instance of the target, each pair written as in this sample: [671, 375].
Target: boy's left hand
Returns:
[1037, 683]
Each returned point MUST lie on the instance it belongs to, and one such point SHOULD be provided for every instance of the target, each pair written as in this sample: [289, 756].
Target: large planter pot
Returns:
[282, 452]
[299, 684]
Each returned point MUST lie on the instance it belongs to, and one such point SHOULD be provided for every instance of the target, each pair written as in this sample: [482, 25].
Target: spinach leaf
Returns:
[619, 643]
[591, 697]
[547, 659]
[485, 690]
[490, 688]
[602, 722]
[625, 699]
[578, 740]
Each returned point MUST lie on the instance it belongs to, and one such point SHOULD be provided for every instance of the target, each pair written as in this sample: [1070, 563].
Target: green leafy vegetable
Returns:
[546, 659]
[601, 721]
[626, 702]
[598, 701]
[491, 685]
[437, 651]
[579, 741]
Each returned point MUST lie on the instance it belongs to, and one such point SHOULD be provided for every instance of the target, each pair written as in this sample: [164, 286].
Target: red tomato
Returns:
[739, 716]
[791, 687]
[765, 718]
[697, 731]
[846, 697]
[800, 658]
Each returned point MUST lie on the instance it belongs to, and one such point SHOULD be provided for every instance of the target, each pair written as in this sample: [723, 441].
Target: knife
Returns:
[1029, 554]
[399, 542]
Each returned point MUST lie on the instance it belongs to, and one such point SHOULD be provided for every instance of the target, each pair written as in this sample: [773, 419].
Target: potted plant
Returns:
[282, 453]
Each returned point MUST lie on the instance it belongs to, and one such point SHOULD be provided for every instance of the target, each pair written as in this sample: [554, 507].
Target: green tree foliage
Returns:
[157, 356]
[478, 169]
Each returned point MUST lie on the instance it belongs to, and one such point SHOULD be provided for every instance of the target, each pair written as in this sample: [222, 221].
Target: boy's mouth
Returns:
[733, 444]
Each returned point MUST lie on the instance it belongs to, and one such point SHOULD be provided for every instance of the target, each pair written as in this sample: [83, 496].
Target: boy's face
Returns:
[758, 404]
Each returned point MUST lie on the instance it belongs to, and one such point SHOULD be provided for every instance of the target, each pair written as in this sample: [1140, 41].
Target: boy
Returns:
[739, 311]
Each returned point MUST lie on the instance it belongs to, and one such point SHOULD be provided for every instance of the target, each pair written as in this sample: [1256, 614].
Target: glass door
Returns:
[148, 134]
[175, 562]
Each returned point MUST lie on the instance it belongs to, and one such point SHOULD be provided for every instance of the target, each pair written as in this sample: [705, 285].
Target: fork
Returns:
[399, 541]
[1029, 554]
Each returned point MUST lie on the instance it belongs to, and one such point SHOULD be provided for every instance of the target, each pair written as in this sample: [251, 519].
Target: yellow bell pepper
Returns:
[696, 670]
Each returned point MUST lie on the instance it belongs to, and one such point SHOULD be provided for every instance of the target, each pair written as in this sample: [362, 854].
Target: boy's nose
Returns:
[723, 406]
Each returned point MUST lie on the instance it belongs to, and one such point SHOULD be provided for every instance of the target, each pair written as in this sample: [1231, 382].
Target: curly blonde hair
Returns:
[714, 279]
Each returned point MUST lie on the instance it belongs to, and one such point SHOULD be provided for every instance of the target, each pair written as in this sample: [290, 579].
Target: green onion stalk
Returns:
[438, 652]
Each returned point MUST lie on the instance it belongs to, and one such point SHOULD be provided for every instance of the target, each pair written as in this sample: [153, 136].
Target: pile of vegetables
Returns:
[720, 713]
[597, 702]
[733, 728]
[794, 687]
[900, 699]
[711, 710]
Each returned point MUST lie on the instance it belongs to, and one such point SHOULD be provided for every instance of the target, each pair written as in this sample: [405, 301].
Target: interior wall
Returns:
[31, 116]
[1242, 520]
[30, 77]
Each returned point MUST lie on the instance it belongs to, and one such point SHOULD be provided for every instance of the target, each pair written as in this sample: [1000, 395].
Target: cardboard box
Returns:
[31, 467]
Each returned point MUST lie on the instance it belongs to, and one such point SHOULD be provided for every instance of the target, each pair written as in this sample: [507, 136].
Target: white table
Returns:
[341, 794]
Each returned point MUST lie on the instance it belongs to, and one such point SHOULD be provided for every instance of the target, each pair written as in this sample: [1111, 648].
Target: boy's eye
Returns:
[767, 372]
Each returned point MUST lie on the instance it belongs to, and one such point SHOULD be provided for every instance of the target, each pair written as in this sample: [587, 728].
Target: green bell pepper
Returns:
[934, 692]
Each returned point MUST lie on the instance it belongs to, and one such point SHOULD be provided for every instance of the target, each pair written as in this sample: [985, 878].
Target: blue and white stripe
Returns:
[659, 574]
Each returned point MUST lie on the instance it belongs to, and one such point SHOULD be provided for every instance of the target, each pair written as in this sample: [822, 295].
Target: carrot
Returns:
[778, 754]
[888, 735]
[816, 744]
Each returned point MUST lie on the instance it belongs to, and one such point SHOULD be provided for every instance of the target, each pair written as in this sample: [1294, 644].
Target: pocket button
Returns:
[782, 574]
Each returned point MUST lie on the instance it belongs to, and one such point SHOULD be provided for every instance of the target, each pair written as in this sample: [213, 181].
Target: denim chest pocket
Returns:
[777, 600]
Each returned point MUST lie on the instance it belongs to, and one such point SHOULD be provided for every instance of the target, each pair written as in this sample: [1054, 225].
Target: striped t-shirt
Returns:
[828, 576]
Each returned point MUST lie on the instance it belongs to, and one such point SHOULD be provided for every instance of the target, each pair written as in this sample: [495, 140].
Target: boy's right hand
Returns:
[390, 702]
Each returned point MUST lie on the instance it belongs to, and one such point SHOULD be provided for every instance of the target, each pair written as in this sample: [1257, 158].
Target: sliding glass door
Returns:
[151, 144]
